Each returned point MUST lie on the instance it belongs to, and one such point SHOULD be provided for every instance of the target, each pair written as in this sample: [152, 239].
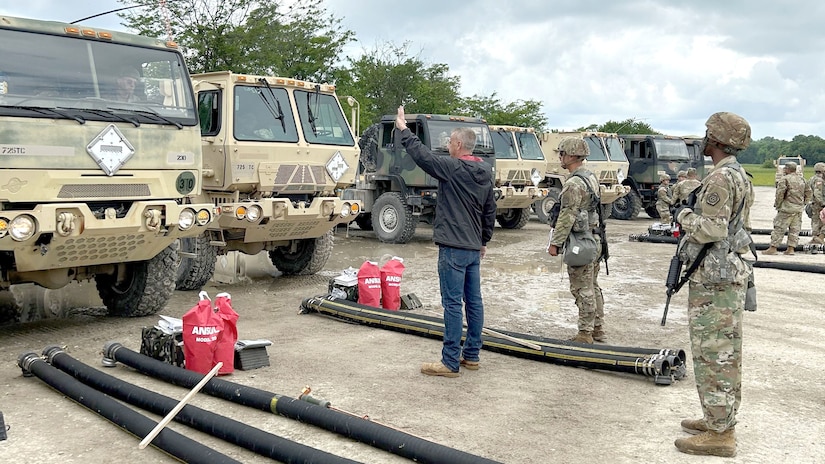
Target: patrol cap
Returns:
[819, 167]
[729, 129]
[574, 146]
[663, 176]
[681, 173]
[790, 166]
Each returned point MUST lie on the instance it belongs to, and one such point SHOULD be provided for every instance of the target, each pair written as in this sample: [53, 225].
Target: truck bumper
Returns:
[611, 193]
[518, 197]
[68, 235]
[276, 219]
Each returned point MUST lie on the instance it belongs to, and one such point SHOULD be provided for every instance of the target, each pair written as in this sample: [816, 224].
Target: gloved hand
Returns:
[681, 210]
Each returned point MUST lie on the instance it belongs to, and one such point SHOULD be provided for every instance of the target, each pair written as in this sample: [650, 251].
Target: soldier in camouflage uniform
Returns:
[717, 289]
[575, 198]
[690, 184]
[792, 194]
[817, 185]
[663, 199]
[676, 191]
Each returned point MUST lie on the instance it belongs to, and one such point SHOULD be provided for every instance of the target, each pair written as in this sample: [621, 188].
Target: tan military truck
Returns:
[780, 163]
[100, 153]
[275, 150]
[520, 166]
[607, 161]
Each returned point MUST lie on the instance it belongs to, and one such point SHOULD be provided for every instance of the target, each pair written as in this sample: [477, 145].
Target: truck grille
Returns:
[608, 177]
[95, 250]
[104, 191]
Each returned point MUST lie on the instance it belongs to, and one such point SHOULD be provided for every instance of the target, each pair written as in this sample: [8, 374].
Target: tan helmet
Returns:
[681, 173]
[691, 172]
[574, 146]
[729, 129]
[663, 177]
[790, 166]
[819, 167]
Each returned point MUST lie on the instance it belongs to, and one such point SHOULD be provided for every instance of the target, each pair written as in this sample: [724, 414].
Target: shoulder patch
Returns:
[712, 199]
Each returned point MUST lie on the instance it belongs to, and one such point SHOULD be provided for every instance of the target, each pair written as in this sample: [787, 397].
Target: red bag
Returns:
[203, 326]
[391, 283]
[369, 284]
[225, 351]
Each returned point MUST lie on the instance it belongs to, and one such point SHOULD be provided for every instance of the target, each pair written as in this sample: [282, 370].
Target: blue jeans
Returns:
[460, 279]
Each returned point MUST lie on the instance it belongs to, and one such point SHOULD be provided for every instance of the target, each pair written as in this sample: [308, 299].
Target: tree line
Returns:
[303, 40]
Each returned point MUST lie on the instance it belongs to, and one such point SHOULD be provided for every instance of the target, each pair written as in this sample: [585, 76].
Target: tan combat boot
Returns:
[709, 443]
[694, 426]
[770, 251]
[582, 337]
[818, 240]
[790, 250]
[598, 334]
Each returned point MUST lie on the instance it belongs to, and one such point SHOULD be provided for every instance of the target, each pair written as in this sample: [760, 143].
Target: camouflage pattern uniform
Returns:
[584, 285]
[676, 190]
[791, 193]
[663, 199]
[717, 289]
[817, 184]
[689, 185]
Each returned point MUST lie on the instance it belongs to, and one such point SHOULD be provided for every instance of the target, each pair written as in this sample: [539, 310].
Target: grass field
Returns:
[765, 177]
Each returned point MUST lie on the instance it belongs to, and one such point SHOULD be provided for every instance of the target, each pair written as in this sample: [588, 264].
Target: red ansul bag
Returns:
[369, 284]
[202, 329]
[225, 351]
[391, 283]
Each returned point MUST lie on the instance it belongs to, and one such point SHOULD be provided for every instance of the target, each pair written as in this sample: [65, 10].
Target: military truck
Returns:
[92, 185]
[520, 166]
[607, 161]
[780, 163]
[395, 193]
[274, 152]
[649, 156]
[698, 159]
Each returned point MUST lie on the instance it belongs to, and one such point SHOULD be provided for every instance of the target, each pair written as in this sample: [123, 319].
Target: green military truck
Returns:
[698, 160]
[520, 168]
[101, 154]
[607, 161]
[395, 193]
[275, 151]
[649, 156]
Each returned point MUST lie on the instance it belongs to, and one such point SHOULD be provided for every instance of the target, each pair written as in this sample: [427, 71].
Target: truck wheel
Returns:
[652, 212]
[627, 207]
[364, 221]
[392, 219]
[194, 273]
[514, 218]
[544, 206]
[310, 257]
[143, 288]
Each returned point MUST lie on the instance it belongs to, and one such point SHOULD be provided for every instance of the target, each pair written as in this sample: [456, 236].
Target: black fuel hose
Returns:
[653, 238]
[173, 443]
[371, 433]
[230, 430]
[802, 233]
[790, 266]
[559, 352]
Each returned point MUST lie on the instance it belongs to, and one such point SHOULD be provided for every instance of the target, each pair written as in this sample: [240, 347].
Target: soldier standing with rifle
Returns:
[577, 196]
[714, 234]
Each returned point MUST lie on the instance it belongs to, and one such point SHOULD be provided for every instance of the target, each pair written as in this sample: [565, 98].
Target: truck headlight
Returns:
[22, 227]
[203, 217]
[253, 213]
[186, 219]
[345, 209]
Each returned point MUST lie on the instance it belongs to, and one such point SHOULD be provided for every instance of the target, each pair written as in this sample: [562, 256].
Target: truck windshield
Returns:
[263, 115]
[596, 149]
[784, 161]
[322, 120]
[671, 150]
[614, 146]
[529, 144]
[65, 77]
[503, 141]
[440, 135]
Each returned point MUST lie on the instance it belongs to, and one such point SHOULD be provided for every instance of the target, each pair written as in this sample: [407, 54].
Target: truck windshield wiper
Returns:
[280, 114]
[50, 111]
[153, 114]
[109, 112]
[310, 116]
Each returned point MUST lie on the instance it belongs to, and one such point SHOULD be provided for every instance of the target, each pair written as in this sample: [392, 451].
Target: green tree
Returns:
[387, 76]
[628, 126]
[261, 37]
[521, 113]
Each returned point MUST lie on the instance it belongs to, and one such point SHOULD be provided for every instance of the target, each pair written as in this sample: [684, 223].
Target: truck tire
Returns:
[364, 221]
[144, 288]
[194, 273]
[514, 218]
[652, 212]
[627, 207]
[544, 206]
[392, 219]
[310, 257]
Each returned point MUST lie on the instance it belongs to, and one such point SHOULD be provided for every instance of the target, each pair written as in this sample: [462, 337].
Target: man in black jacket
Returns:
[464, 219]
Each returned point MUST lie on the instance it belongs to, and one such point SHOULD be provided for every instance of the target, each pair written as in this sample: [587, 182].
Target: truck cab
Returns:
[520, 168]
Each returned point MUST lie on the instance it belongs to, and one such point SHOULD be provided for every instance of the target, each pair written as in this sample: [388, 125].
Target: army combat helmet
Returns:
[790, 166]
[663, 177]
[819, 167]
[731, 131]
[573, 146]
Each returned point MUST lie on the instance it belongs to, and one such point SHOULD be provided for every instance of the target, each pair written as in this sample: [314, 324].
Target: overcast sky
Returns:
[670, 64]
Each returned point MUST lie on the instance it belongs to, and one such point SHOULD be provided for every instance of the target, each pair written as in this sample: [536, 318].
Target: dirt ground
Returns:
[512, 410]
